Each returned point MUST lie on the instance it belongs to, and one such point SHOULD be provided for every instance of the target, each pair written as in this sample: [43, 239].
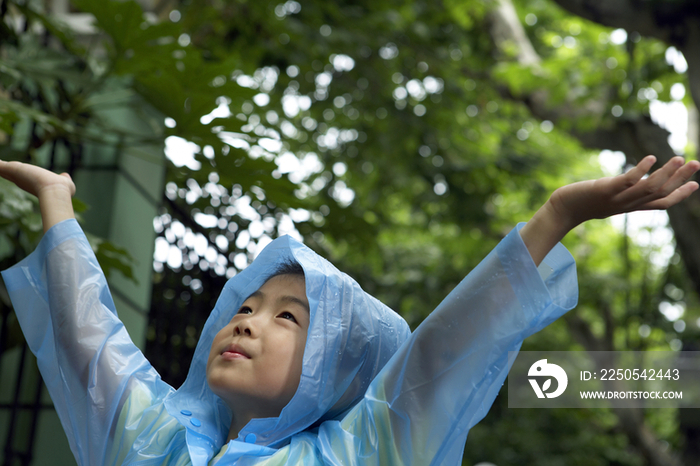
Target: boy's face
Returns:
[255, 361]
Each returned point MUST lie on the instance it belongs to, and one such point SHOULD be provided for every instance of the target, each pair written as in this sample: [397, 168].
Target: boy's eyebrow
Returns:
[294, 299]
[286, 298]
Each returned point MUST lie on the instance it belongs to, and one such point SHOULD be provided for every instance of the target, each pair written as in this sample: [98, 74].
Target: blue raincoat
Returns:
[371, 393]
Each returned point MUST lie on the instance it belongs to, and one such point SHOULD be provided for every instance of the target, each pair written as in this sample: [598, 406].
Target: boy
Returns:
[296, 364]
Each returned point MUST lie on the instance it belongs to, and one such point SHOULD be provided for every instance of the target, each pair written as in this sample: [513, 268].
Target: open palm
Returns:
[667, 186]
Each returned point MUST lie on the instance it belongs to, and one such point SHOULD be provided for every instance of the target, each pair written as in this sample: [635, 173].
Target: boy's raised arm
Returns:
[576, 203]
[444, 379]
[63, 304]
[53, 191]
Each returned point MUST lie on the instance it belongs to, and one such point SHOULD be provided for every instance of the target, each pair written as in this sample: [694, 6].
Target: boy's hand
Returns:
[54, 191]
[576, 203]
[35, 180]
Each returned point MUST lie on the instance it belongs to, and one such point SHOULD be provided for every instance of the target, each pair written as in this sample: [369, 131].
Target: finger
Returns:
[632, 177]
[16, 172]
[654, 187]
[679, 178]
[672, 199]
[655, 182]
[9, 170]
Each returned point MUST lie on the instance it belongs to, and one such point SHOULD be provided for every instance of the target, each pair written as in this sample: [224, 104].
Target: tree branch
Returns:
[668, 21]
[675, 22]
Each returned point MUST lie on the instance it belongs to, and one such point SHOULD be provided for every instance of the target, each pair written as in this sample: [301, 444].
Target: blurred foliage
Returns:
[394, 137]
[49, 99]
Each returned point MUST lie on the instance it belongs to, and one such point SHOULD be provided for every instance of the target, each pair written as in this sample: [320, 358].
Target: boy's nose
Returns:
[243, 328]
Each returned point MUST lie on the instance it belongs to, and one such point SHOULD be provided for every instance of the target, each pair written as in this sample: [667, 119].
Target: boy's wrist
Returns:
[559, 222]
[56, 205]
[544, 230]
[58, 192]
[566, 217]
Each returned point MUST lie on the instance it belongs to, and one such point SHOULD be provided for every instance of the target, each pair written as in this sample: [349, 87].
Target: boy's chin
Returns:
[219, 389]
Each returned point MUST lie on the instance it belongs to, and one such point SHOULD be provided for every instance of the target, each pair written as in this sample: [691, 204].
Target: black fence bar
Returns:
[14, 410]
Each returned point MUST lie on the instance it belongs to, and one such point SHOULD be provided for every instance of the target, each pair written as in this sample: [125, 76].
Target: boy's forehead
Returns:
[285, 287]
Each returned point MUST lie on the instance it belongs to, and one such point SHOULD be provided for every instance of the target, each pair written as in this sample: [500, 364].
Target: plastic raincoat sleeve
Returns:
[444, 379]
[84, 353]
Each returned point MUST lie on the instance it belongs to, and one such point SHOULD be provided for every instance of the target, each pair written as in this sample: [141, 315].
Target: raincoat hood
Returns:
[351, 336]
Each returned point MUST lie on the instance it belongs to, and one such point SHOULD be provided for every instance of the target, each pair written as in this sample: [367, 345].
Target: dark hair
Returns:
[288, 267]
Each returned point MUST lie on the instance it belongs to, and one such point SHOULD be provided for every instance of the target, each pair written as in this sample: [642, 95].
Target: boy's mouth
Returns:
[234, 351]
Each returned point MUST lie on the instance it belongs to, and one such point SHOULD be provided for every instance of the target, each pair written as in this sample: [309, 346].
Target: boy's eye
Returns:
[288, 316]
[245, 310]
